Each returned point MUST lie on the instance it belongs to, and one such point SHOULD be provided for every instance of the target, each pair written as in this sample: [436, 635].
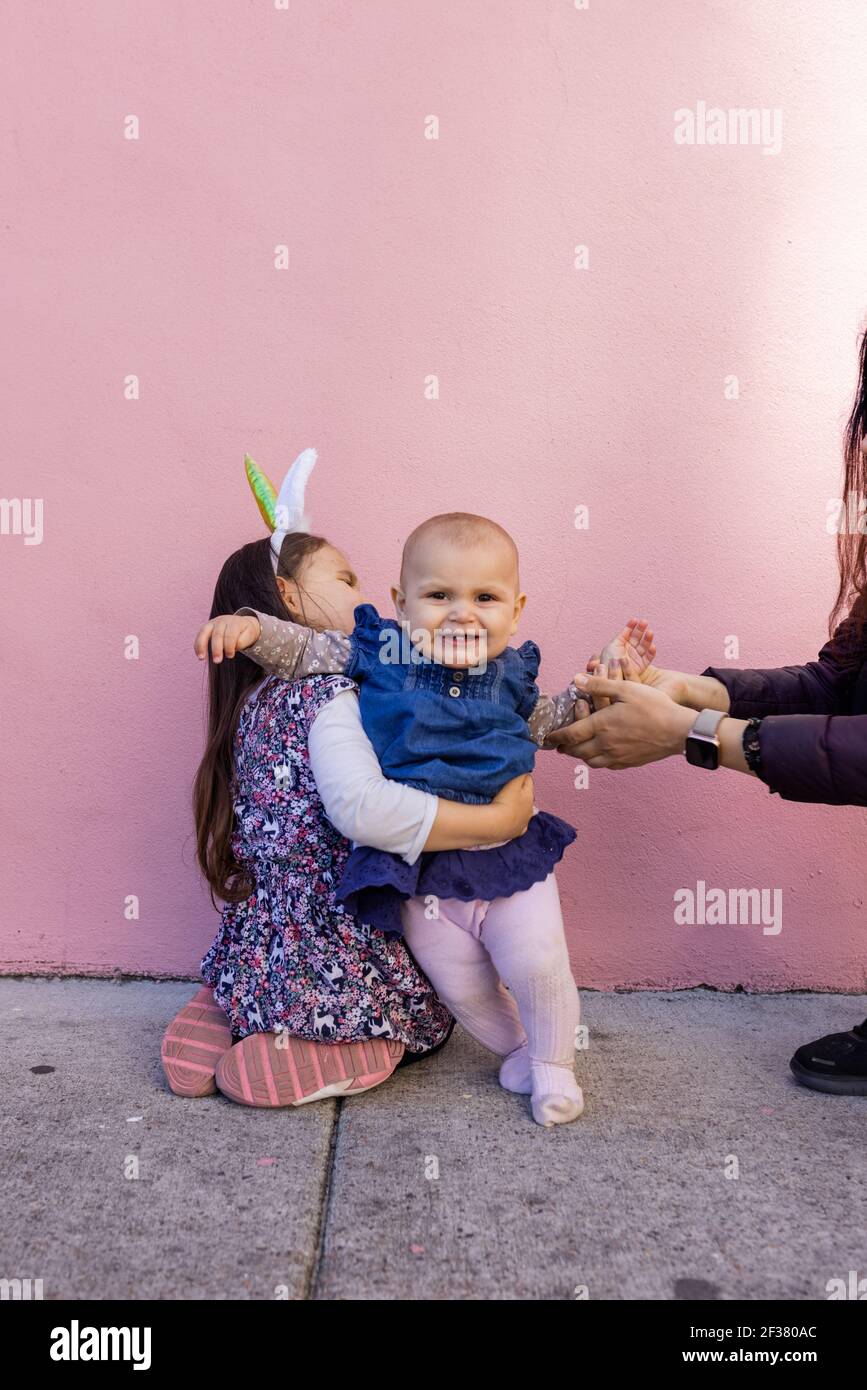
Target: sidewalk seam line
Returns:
[325, 1194]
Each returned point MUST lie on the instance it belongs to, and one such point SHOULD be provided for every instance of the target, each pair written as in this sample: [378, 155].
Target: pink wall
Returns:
[559, 387]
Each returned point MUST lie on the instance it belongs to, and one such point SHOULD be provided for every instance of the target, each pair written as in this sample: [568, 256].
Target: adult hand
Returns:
[638, 725]
[674, 684]
[693, 692]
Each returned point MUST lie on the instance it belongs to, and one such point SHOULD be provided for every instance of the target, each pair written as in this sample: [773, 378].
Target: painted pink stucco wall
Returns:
[559, 387]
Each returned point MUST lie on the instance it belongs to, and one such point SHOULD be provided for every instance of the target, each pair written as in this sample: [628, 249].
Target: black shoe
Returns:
[409, 1057]
[836, 1063]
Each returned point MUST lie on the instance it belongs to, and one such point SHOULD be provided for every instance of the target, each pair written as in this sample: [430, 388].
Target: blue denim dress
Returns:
[456, 734]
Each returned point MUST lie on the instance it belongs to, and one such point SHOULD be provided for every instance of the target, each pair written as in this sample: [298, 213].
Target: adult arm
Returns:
[823, 686]
[812, 748]
[637, 725]
[371, 809]
[804, 757]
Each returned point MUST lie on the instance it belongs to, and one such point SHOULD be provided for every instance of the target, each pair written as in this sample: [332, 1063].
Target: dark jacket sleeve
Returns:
[813, 747]
[824, 686]
[816, 757]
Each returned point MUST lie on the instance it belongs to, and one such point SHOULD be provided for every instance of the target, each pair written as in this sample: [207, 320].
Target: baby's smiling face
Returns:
[461, 601]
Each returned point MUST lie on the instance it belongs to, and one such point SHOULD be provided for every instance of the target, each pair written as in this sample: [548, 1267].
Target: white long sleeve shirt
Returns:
[365, 806]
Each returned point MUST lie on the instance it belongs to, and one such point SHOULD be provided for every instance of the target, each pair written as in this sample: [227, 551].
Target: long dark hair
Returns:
[247, 580]
[851, 601]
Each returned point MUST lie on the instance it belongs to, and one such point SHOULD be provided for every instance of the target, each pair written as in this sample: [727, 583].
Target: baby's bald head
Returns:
[459, 584]
[459, 531]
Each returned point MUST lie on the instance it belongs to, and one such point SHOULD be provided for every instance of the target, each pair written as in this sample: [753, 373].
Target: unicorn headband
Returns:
[284, 511]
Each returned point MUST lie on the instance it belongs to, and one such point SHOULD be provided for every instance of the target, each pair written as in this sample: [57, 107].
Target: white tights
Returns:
[469, 949]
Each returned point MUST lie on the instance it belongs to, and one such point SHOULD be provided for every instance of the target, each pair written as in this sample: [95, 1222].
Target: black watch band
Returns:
[752, 746]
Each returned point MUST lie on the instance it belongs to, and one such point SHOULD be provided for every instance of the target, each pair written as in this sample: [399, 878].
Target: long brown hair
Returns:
[851, 598]
[247, 580]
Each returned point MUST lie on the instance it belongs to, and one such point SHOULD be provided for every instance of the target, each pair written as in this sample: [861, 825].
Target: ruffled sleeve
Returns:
[530, 657]
[366, 642]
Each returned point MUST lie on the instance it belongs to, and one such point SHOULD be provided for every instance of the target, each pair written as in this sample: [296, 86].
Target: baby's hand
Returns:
[227, 634]
[628, 654]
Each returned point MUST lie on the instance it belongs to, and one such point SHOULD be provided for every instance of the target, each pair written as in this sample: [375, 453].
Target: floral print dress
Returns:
[290, 956]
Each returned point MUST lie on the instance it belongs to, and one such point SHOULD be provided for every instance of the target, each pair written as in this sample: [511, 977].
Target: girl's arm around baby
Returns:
[371, 809]
[280, 647]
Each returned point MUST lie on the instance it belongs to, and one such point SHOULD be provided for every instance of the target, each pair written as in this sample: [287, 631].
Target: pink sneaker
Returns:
[193, 1043]
[262, 1072]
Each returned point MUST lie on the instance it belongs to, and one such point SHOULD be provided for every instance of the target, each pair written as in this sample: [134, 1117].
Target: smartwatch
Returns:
[702, 743]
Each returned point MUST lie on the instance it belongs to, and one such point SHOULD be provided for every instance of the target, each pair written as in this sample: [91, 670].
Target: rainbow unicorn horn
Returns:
[284, 511]
[263, 490]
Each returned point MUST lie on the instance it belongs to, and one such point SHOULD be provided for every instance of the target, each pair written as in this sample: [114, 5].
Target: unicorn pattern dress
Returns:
[290, 955]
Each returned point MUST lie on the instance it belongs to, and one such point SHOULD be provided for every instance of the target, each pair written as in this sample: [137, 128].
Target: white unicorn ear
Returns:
[289, 514]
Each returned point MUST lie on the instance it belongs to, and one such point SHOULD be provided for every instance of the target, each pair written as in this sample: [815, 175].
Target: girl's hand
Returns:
[228, 634]
[515, 804]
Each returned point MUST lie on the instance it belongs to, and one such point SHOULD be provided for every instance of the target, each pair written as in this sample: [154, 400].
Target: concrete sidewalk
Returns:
[437, 1185]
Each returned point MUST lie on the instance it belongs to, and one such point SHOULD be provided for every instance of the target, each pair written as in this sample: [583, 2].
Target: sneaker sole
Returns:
[830, 1085]
[254, 1073]
[192, 1045]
